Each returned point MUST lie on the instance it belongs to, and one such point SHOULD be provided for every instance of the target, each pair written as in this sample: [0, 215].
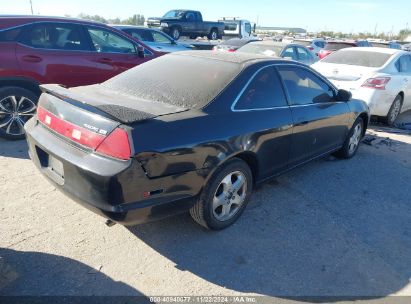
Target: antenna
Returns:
[31, 6]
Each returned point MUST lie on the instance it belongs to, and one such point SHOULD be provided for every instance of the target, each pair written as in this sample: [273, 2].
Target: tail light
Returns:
[116, 144]
[378, 83]
[231, 50]
[310, 48]
[215, 48]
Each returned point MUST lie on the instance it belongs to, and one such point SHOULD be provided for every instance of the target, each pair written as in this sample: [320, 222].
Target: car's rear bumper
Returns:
[115, 189]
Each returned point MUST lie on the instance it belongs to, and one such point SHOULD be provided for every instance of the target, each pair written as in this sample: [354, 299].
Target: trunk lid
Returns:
[344, 76]
[121, 108]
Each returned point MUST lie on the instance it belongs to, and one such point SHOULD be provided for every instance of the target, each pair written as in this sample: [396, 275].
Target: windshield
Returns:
[363, 58]
[174, 14]
[185, 81]
[261, 49]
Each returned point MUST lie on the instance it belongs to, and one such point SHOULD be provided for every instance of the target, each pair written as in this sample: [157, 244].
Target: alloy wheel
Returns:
[15, 111]
[355, 138]
[229, 196]
[396, 108]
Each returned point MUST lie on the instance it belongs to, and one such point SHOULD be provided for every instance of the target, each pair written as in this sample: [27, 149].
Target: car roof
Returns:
[123, 26]
[276, 43]
[17, 20]
[374, 50]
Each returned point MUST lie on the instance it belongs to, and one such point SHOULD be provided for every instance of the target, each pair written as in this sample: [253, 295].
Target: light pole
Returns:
[31, 6]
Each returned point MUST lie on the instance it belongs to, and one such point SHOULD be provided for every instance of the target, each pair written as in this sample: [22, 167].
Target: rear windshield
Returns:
[261, 49]
[184, 81]
[303, 42]
[365, 59]
[337, 46]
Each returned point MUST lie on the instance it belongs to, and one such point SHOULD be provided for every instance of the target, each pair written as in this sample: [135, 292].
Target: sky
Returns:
[314, 15]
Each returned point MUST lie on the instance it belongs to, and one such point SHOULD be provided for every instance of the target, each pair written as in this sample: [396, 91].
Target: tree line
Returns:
[136, 19]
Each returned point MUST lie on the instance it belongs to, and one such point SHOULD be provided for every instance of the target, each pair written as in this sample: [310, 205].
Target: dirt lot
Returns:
[329, 228]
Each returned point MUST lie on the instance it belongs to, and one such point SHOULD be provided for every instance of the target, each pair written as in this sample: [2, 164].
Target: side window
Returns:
[303, 54]
[190, 16]
[289, 53]
[54, 36]
[160, 38]
[105, 41]
[404, 64]
[142, 35]
[264, 91]
[10, 35]
[248, 28]
[304, 87]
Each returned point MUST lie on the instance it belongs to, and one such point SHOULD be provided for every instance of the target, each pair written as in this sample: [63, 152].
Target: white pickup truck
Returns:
[235, 27]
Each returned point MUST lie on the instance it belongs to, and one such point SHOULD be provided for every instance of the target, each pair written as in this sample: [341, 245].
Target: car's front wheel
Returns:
[225, 196]
[353, 140]
[17, 106]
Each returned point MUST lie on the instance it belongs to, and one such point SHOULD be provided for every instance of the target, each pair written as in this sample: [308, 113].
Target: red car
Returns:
[72, 52]
[333, 46]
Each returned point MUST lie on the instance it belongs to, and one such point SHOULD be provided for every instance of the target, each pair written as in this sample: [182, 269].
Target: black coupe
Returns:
[189, 131]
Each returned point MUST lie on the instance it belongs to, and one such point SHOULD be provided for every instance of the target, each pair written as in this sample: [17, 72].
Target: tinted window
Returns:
[337, 46]
[248, 28]
[148, 36]
[264, 91]
[105, 41]
[363, 58]
[190, 16]
[54, 36]
[9, 35]
[304, 87]
[289, 53]
[303, 54]
[261, 49]
[230, 26]
[405, 64]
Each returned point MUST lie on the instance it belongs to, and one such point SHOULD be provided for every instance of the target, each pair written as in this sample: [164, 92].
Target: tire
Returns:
[17, 106]
[352, 141]
[208, 212]
[175, 33]
[394, 111]
[213, 35]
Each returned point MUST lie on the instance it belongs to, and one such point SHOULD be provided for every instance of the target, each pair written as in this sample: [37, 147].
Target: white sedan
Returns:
[379, 76]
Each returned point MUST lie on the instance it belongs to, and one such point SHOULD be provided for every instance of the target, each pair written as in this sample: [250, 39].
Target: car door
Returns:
[112, 52]
[53, 52]
[319, 122]
[191, 25]
[263, 108]
[304, 55]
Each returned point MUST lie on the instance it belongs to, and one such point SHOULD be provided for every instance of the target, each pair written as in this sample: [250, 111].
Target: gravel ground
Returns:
[332, 227]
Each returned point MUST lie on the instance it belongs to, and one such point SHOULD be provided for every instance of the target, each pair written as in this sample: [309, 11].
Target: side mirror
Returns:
[140, 51]
[343, 95]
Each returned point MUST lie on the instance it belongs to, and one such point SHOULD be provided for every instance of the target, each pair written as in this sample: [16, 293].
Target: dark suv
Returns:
[72, 52]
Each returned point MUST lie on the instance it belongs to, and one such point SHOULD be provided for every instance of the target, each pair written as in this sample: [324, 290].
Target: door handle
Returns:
[105, 60]
[31, 58]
